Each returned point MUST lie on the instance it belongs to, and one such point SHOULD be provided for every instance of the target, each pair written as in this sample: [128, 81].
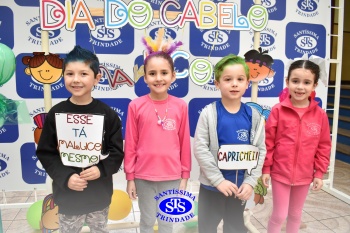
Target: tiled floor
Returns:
[322, 212]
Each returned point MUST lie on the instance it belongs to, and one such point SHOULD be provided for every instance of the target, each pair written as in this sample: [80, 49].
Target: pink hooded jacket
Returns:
[298, 149]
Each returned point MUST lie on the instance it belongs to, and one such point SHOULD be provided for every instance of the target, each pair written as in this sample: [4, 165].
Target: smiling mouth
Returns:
[139, 19]
[200, 76]
[257, 74]
[259, 22]
[43, 77]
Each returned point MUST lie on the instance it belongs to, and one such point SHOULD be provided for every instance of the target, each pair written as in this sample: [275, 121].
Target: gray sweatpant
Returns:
[146, 191]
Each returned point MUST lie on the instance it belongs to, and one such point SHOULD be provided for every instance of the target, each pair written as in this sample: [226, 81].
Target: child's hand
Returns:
[227, 188]
[317, 184]
[183, 184]
[265, 179]
[244, 192]
[92, 173]
[76, 183]
[131, 189]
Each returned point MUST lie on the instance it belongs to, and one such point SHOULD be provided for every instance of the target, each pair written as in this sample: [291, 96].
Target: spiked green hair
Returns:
[230, 59]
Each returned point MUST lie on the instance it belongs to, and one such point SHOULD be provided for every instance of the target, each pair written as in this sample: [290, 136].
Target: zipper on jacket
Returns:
[298, 144]
[296, 151]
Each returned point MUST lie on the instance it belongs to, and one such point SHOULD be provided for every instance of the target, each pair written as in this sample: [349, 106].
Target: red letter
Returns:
[69, 118]
[189, 14]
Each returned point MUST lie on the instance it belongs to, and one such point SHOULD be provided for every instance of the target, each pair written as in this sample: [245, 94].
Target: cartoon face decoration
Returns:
[50, 219]
[259, 65]
[45, 69]
[49, 216]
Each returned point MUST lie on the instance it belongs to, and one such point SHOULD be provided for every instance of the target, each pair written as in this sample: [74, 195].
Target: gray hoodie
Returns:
[206, 146]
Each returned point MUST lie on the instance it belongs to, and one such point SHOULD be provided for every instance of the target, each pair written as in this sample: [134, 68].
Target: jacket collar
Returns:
[287, 103]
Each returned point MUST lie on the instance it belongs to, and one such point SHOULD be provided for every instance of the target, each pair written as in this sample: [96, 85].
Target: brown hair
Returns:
[305, 64]
[161, 54]
[39, 58]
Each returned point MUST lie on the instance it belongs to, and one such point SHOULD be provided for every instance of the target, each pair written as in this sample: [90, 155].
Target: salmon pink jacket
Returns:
[298, 148]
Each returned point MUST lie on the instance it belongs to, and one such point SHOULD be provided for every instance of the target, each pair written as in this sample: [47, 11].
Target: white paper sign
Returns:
[235, 157]
[79, 138]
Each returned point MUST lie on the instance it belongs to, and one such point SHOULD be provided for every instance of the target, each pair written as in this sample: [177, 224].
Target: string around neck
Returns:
[160, 121]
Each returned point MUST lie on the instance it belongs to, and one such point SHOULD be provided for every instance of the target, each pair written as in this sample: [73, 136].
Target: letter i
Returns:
[69, 14]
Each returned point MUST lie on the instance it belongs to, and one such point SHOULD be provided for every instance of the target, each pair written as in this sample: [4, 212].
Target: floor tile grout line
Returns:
[333, 218]
[326, 226]
[260, 223]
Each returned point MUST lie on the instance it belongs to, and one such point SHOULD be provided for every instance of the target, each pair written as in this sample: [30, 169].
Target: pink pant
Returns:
[288, 201]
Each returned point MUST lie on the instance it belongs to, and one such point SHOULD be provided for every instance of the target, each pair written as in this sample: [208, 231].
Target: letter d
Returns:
[52, 15]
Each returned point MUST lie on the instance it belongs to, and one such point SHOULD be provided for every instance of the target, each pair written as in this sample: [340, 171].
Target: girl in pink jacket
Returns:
[298, 147]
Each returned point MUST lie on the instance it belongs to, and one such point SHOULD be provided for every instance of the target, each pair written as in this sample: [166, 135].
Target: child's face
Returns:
[233, 82]
[45, 73]
[301, 84]
[79, 80]
[158, 77]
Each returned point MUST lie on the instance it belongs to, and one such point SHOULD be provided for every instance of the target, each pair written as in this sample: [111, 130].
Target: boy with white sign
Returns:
[81, 147]
[224, 128]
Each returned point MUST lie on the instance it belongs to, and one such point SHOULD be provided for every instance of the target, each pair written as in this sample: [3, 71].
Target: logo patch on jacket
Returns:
[169, 124]
[313, 129]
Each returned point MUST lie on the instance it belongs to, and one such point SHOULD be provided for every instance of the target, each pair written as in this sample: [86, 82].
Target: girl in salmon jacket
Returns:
[298, 147]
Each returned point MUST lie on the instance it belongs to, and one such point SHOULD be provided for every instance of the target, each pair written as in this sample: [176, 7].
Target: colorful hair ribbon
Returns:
[159, 44]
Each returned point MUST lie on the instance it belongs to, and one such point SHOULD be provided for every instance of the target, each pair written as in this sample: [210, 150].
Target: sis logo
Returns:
[242, 135]
[6, 26]
[4, 159]
[313, 129]
[214, 42]
[106, 40]
[217, 43]
[175, 205]
[275, 8]
[34, 36]
[307, 8]
[267, 39]
[169, 33]
[305, 39]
